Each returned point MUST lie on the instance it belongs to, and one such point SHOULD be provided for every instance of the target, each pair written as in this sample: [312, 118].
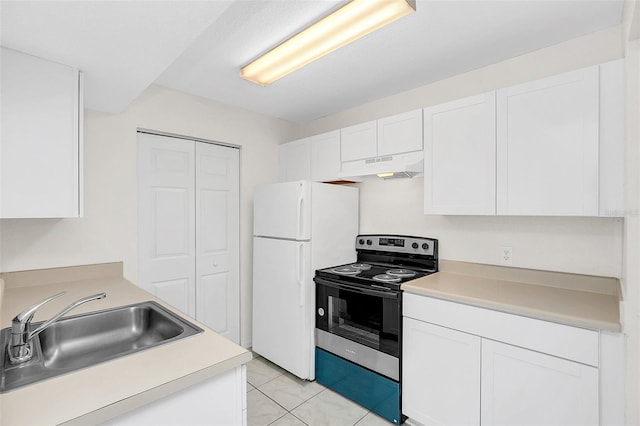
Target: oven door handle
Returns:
[341, 286]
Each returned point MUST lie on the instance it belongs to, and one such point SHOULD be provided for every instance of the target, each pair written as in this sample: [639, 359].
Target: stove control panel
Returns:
[397, 244]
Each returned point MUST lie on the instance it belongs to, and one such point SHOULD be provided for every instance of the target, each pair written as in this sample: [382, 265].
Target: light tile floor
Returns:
[277, 398]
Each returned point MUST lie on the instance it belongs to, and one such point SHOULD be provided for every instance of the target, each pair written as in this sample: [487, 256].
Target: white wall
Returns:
[580, 245]
[108, 230]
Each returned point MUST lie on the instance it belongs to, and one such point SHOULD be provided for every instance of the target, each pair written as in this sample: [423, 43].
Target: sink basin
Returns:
[81, 341]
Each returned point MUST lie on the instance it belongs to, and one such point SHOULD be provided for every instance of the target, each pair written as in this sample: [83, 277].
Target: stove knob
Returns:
[361, 241]
[369, 242]
[425, 246]
[414, 245]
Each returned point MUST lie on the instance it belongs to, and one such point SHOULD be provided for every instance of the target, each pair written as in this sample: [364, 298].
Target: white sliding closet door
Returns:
[217, 238]
[188, 227]
[166, 220]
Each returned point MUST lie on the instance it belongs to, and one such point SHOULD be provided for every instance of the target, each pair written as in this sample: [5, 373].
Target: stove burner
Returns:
[402, 273]
[361, 266]
[386, 278]
[346, 270]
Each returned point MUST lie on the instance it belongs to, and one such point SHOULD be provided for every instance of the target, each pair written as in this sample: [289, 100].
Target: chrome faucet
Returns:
[20, 348]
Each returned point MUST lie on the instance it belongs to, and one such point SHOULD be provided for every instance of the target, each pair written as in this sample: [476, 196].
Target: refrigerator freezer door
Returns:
[283, 304]
[283, 210]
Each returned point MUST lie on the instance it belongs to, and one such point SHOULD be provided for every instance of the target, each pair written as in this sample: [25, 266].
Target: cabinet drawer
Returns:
[573, 343]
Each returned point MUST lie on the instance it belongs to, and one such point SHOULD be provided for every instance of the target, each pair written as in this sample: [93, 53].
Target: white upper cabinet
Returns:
[359, 141]
[388, 136]
[294, 162]
[41, 139]
[316, 158]
[331, 156]
[325, 156]
[460, 157]
[548, 146]
[400, 133]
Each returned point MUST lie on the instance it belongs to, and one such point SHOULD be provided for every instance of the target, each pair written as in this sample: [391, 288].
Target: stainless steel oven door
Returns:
[359, 324]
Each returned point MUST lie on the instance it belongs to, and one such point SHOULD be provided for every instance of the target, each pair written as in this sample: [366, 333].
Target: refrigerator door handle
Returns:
[300, 272]
[300, 214]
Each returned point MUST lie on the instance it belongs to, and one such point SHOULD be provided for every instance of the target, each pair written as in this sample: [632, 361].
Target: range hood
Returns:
[405, 165]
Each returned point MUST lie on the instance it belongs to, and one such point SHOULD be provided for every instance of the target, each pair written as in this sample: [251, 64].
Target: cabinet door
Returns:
[295, 161]
[325, 156]
[523, 387]
[460, 157]
[440, 374]
[359, 141]
[40, 170]
[547, 136]
[400, 133]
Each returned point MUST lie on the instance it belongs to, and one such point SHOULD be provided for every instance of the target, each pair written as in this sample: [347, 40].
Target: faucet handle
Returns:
[26, 315]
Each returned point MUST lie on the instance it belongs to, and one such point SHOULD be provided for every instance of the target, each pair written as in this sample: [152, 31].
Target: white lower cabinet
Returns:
[441, 374]
[456, 372]
[221, 400]
[523, 387]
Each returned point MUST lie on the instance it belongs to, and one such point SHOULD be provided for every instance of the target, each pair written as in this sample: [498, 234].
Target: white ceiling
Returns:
[199, 46]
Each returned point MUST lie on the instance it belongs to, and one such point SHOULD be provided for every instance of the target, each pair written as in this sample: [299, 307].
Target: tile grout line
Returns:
[362, 418]
[276, 402]
[287, 411]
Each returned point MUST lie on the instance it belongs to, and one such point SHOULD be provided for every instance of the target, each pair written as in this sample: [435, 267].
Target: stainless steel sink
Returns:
[82, 341]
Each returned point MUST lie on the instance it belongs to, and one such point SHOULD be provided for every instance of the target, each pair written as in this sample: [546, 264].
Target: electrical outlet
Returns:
[506, 255]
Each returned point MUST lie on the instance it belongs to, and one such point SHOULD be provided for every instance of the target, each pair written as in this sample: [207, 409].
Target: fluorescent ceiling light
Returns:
[352, 21]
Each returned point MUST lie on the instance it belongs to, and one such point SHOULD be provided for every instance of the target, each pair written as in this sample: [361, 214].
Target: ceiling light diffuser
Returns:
[349, 23]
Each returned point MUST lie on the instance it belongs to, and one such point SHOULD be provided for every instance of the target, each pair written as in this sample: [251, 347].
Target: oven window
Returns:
[369, 320]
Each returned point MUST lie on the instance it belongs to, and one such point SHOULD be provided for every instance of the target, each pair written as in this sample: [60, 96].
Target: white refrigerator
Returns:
[298, 227]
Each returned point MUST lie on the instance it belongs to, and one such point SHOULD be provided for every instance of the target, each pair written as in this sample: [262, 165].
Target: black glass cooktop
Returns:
[373, 274]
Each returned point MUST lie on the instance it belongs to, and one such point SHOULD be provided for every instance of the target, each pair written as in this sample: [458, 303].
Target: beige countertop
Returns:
[572, 299]
[98, 393]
